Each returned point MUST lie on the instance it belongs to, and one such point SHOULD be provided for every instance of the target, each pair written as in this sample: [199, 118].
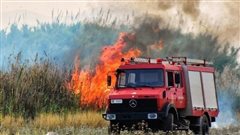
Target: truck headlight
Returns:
[152, 116]
[111, 117]
[116, 101]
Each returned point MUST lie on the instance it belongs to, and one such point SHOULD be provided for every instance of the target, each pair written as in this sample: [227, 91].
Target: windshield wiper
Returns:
[146, 85]
[131, 86]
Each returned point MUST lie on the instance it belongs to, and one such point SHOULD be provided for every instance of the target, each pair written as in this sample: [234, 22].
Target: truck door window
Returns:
[178, 81]
[170, 79]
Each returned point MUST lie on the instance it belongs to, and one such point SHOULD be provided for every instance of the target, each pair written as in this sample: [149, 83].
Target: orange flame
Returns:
[91, 85]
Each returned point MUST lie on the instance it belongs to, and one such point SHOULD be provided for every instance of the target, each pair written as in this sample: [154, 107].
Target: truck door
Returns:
[170, 92]
[179, 90]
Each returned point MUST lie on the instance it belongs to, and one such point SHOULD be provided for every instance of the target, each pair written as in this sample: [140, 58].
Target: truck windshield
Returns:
[140, 78]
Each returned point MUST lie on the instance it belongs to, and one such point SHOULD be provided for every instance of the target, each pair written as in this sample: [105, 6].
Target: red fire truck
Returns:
[174, 93]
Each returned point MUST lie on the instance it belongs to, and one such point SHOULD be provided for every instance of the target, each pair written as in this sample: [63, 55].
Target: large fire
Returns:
[91, 85]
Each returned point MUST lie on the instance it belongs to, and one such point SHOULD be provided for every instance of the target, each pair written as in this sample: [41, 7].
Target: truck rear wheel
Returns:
[203, 128]
[168, 123]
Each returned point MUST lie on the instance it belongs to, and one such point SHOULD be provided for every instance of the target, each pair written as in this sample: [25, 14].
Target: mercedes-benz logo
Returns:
[133, 103]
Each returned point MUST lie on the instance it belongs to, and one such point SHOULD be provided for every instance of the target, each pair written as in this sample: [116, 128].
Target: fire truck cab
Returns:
[174, 93]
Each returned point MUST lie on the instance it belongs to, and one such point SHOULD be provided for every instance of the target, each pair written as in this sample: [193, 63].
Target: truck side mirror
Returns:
[109, 80]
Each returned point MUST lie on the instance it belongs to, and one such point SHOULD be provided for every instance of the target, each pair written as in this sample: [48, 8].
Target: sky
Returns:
[221, 18]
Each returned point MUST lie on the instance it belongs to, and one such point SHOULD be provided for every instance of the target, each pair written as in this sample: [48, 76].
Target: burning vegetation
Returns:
[91, 84]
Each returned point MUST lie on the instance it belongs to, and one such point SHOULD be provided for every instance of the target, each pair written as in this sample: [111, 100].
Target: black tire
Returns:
[203, 129]
[168, 123]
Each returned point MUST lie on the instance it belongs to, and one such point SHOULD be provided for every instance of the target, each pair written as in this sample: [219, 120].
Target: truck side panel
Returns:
[200, 91]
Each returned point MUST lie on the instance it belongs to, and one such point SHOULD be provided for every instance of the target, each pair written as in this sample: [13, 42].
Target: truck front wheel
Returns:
[168, 123]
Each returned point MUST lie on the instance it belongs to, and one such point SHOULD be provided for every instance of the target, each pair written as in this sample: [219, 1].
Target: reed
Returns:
[26, 90]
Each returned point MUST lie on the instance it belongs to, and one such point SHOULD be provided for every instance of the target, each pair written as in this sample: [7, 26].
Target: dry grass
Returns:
[86, 122]
[54, 121]
[231, 130]
[89, 119]
[11, 122]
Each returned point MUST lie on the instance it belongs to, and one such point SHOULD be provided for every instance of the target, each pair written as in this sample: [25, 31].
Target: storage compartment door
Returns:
[209, 90]
[196, 89]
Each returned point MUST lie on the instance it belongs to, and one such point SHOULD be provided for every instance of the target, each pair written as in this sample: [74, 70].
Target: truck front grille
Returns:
[143, 105]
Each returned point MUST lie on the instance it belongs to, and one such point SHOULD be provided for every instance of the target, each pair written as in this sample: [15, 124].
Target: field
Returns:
[80, 123]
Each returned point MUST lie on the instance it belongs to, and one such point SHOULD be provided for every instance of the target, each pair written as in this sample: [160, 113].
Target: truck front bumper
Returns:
[133, 116]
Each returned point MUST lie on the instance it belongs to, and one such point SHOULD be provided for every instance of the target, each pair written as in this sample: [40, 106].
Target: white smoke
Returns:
[227, 115]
